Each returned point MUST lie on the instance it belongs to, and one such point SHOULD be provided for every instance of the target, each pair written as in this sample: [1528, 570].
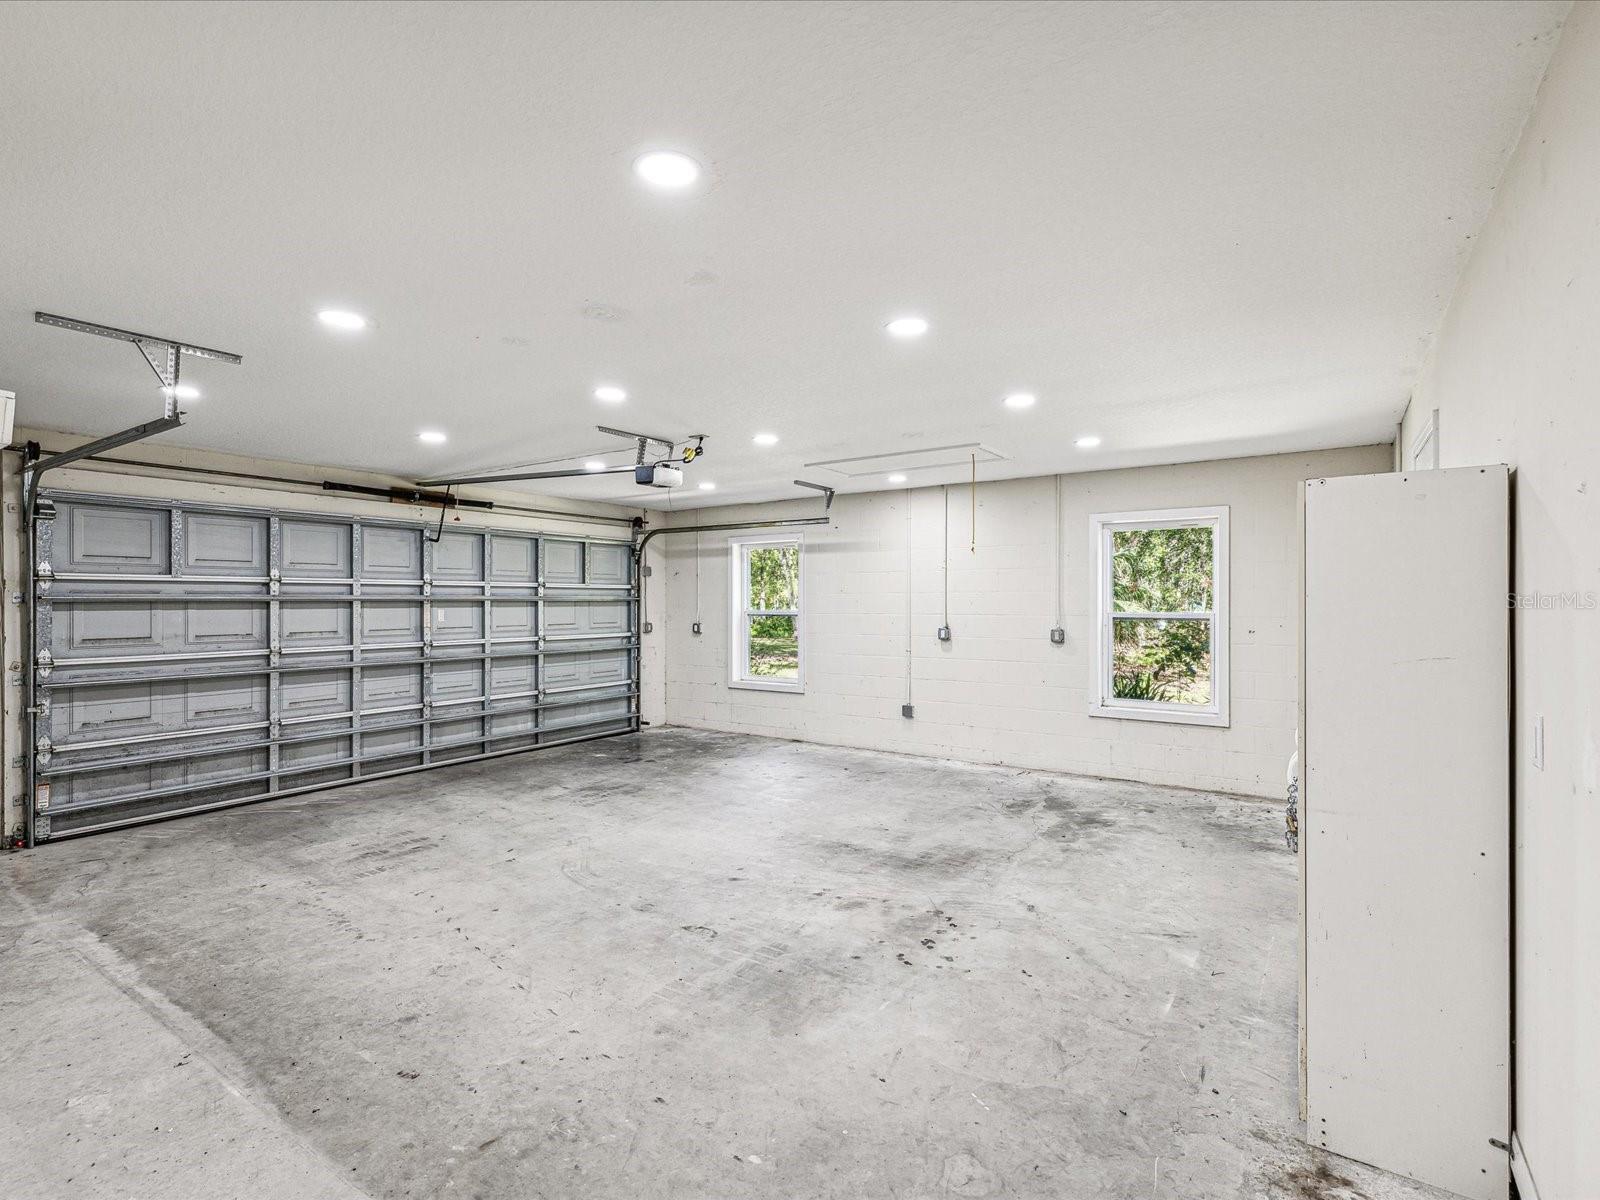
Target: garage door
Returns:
[190, 656]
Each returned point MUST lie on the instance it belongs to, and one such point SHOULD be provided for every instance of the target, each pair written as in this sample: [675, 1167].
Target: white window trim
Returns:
[739, 626]
[1102, 703]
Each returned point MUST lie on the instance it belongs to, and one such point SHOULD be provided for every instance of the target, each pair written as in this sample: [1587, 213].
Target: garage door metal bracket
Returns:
[164, 356]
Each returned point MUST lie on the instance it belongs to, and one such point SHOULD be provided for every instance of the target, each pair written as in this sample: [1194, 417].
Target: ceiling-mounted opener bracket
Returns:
[165, 355]
[645, 441]
[827, 493]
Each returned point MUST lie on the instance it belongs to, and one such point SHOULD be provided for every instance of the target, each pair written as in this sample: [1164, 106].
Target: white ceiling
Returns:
[1196, 230]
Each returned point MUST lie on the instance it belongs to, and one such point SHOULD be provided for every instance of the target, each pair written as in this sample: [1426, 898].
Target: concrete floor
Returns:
[673, 965]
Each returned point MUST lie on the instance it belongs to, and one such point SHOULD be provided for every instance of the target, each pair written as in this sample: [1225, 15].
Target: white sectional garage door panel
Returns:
[194, 656]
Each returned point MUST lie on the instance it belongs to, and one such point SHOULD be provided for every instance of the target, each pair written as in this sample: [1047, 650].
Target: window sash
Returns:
[1105, 701]
[740, 675]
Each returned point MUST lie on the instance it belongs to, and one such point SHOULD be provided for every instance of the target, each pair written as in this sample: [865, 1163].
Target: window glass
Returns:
[774, 578]
[1162, 570]
[1164, 661]
[774, 648]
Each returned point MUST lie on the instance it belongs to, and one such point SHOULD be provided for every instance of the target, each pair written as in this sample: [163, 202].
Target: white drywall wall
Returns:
[1515, 375]
[999, 691]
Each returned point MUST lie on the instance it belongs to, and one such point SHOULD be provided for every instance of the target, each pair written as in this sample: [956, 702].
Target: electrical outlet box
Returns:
[908, 711]
[1538, 743]
[1058, 636]
[649, 626]
[944, 633]
[695, 628]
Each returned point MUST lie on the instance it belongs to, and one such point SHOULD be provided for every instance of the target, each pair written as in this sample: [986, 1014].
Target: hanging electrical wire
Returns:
[944, 628]
[906, 711]
[974, 503]
[1059, 556]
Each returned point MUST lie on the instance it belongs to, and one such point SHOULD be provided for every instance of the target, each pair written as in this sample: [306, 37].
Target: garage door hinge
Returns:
[41, 709]
[273, 579]
[43, 571]
[41, 828]
[43, 664]
[41, 752]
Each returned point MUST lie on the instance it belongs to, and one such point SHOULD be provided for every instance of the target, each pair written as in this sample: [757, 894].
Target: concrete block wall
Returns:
[999, 691]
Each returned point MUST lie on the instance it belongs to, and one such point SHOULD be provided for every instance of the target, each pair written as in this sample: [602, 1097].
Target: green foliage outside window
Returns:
[1162, 571]
[774, 578]
[774, 583]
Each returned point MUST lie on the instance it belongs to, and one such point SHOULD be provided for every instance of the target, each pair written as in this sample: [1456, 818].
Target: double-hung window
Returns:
[767, 599]
[1162, 608]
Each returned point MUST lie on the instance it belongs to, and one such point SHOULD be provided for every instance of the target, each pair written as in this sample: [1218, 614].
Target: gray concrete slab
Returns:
[680, 964]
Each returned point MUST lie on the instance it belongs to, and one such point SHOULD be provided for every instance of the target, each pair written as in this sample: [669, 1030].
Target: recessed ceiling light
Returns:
[907, 327]
[897, 479]
[336, 318]
[183, 392]
[765, 439]
[1021, 400]
[594, 466]
[432, 437]
[607, 394]
[666, 169]
[707, 486]
[1087, 442]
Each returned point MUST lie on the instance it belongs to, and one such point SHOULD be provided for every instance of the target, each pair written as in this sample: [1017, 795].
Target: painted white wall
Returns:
[1515, 375]
[1000, 692]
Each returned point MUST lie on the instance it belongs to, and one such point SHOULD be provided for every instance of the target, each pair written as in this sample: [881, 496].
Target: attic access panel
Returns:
[904, 461]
